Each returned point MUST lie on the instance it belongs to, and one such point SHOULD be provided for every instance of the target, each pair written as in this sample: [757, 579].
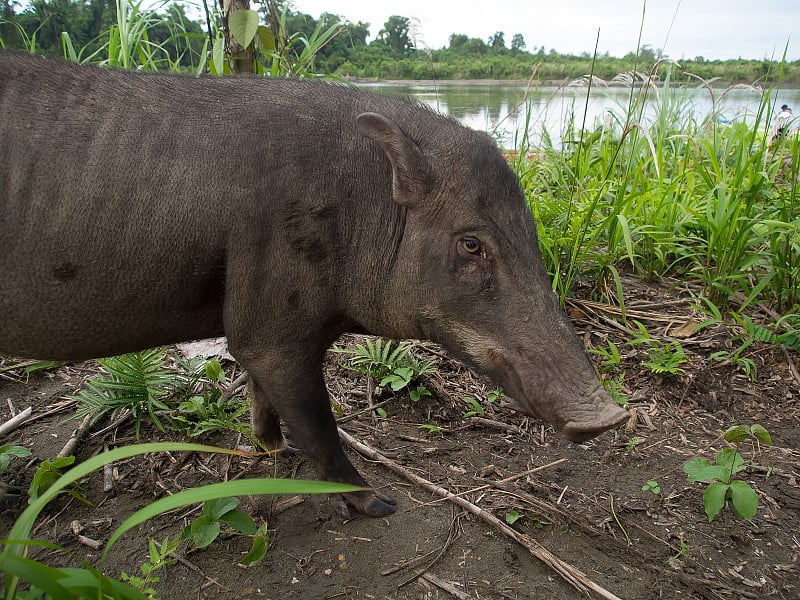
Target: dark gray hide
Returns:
[141, 210]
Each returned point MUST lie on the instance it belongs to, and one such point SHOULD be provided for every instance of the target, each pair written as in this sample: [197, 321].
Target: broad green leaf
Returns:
[46, 578]
[714, 499]
[240, 521]
[214, 371]
[243, 25]
[699, 469]
[737, 433]
[218, 57]
[743, 499]
[204, 530]
[730, 460]
[258, 549]
[266, 39]
[404, 372]
[761, 433]
[219, 506]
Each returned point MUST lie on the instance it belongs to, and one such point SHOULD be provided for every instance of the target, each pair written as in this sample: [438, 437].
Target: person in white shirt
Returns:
[782, 122]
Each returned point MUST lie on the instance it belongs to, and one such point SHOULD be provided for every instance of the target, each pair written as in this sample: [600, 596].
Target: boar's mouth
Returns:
[580, 415]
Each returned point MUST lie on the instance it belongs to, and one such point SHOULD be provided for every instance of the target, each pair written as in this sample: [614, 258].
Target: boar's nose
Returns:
[609, 415]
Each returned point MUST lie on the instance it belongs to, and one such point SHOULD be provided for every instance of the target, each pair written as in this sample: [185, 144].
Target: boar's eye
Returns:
[470, 245]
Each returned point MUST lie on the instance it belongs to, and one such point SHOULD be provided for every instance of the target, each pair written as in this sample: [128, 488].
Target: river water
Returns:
[490, 106]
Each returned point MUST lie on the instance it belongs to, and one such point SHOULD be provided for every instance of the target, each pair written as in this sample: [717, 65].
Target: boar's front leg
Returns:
[292, 386]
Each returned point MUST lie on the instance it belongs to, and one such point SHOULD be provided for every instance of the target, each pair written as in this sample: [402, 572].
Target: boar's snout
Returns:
[606, 416]
[579, 414]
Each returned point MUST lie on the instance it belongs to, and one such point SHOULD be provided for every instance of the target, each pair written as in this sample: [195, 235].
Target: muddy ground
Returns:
[589, 509]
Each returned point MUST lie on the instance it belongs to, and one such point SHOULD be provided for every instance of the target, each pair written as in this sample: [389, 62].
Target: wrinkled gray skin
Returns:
[141, 210]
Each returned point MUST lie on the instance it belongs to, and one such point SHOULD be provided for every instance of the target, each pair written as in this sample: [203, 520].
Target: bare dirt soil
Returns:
[585, 504]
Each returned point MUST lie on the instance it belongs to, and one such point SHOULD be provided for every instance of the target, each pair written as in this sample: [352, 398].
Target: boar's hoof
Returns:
[371, 503]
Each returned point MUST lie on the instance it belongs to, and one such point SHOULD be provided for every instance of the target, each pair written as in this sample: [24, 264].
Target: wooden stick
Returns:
[72, 442]
[16, 421]
[570, 574]
[446, 586]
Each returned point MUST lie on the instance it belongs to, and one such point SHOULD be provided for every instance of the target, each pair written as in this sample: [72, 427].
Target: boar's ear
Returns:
[411, 174]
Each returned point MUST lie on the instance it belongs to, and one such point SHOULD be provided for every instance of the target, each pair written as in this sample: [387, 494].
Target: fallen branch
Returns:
[72, 442]
[446, 586]
[16, 421]
[570, 574]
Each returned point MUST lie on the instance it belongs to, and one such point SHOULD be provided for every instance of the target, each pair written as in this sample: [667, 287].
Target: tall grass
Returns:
[671, 193]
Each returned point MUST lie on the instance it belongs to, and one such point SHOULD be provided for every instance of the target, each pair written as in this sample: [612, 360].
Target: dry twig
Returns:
[16, 421]
[72, 442]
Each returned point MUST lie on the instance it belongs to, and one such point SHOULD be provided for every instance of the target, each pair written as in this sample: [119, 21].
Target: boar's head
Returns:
[468, 275]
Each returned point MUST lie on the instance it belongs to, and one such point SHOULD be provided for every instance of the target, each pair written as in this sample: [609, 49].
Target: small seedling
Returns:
[652, 486]
[611, 356]
[681, 555]
[512, 516]
[430, 427]
[661, 359]
[632, 443]
[728, 461]
[494, 396]
[159, 557]
[748, 365]
[615, 387]
[666, 360]
[475, 407]
[208, 526]
[418, 392]
[48, 473]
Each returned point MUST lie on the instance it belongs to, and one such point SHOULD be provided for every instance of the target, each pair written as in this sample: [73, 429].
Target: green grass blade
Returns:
[225, 489]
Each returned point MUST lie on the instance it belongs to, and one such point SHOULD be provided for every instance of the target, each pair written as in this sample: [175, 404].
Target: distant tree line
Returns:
[397, 52]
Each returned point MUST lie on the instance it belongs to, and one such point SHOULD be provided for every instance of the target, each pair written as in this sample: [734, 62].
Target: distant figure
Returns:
[782, 122]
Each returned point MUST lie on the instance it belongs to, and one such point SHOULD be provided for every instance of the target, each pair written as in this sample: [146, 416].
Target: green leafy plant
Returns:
[615, 386]
[8, 453]
[666, 359]
[136, 384]
[430, 427]
[48, 473]
[610, 354]
[217, 512]
[388, 364]
[631, 444]
[663, 359]
[159, 557]
[682, 555]
[728, 462]
[494, 396]
[753, 332]
[90, 583]
[512, 516]
[476, 408]
[206, 410]
[652, 486]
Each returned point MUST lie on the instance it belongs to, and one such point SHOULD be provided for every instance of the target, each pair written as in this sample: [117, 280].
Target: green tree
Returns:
[395, 34]
[518, 42]
[498, 41]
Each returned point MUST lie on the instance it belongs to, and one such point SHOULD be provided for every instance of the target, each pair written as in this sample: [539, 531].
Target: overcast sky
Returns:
[713, 29]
